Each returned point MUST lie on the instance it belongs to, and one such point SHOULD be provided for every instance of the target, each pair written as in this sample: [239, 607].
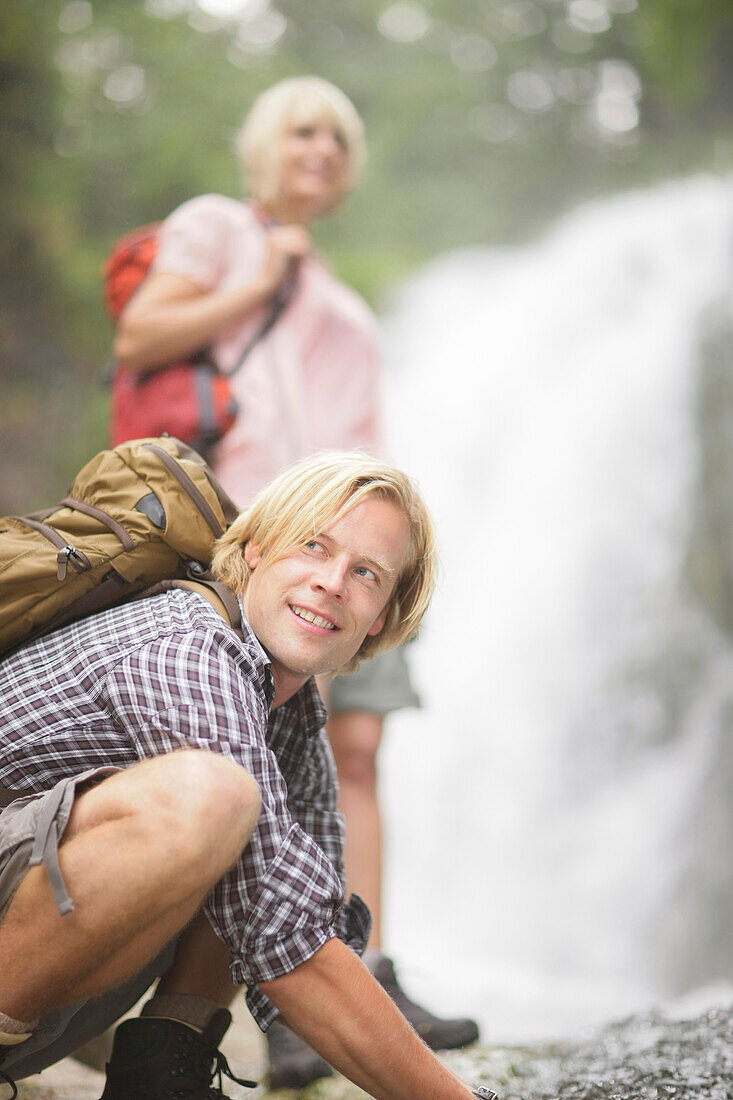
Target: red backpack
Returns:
[189, 399]
[127, 265]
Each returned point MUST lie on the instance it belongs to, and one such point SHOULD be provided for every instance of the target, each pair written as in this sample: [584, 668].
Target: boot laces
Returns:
[197, 1059]
[8, 1081]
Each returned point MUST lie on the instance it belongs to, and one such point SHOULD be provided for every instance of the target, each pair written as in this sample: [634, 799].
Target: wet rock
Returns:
[643, 1058]
[650, 1058]
[647, 1057]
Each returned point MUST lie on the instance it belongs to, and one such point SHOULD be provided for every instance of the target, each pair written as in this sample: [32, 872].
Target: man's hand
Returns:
[335, 1005]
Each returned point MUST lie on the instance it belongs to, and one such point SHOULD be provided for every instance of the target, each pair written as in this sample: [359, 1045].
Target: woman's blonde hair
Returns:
[315, 493]
[298, 101]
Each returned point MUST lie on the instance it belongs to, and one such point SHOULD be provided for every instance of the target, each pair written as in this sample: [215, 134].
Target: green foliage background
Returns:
[81, 164]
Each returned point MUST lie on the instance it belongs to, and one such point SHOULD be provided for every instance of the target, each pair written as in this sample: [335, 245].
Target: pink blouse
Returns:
[313, 383]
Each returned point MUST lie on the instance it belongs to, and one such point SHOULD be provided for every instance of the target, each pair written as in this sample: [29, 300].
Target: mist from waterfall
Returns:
[559, 815]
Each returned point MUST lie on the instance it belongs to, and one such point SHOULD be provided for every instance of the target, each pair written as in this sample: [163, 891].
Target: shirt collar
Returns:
[260, 659]
[306, 708]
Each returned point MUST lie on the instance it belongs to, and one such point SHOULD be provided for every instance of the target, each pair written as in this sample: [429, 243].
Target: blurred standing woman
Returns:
[311, 383]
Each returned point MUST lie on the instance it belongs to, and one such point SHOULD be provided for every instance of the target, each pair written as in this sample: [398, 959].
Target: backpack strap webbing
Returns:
[219, 595]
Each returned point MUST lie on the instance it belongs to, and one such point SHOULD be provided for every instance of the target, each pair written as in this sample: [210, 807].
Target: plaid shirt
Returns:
[167, 673]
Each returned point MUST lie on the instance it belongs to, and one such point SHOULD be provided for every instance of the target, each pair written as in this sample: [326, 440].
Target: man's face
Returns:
[312, 609]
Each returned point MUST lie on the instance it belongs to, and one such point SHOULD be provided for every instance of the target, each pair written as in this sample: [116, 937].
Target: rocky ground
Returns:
[643, 1058]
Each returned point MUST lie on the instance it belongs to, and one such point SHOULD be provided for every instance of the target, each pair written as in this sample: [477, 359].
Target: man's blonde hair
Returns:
[298, 101]
[310, 496]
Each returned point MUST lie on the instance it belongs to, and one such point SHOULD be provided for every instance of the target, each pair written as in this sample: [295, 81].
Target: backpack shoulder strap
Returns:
[221, 598]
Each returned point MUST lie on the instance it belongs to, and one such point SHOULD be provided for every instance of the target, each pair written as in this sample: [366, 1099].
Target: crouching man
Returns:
[178, 813]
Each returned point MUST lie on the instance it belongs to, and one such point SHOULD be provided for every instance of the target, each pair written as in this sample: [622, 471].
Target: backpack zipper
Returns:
[70, 554]
[66, 553]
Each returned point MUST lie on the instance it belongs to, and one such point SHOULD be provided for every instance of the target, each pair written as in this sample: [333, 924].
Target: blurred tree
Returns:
[29, 114]
[685, 47]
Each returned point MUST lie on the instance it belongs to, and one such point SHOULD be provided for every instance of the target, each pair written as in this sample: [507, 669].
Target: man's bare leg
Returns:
[200, 967]
[196, 985]
[140, 854]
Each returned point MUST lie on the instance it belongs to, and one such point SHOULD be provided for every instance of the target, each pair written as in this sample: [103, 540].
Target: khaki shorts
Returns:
[378, 686]
[30, 830]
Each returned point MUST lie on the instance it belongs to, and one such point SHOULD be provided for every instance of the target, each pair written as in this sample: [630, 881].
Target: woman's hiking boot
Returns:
[436, 1033]
[161, 1059]
[293, 1064]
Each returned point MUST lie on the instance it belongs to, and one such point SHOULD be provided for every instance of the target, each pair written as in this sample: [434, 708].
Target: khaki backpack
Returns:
[137, 520]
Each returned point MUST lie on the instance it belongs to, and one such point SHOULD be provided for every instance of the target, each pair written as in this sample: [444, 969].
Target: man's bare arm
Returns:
[335, 1005]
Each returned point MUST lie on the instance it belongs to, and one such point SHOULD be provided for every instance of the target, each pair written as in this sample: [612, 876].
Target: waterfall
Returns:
[559, 815]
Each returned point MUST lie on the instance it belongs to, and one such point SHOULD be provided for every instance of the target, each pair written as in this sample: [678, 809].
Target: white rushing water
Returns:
[558, 829]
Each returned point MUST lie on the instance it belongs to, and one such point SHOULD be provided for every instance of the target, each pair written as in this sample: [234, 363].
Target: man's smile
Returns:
[313, 617]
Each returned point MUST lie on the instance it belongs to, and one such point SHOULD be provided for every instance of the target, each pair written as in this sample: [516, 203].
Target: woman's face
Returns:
[314, 165]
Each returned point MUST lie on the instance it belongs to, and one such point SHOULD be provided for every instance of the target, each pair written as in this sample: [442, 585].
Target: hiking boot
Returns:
[161, 1059]
[436, 1033]
[293, 1064]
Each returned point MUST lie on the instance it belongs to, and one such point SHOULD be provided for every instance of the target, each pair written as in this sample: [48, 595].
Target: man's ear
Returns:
[377, 625]
[251, 554]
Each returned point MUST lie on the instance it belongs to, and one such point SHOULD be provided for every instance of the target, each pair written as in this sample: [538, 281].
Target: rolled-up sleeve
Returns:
[352, 924]
[295, 907]
[298, 908]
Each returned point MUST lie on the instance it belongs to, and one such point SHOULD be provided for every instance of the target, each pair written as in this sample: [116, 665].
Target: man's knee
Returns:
[357, 766]
[209, 801]
[355, 738]
[194, 804]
